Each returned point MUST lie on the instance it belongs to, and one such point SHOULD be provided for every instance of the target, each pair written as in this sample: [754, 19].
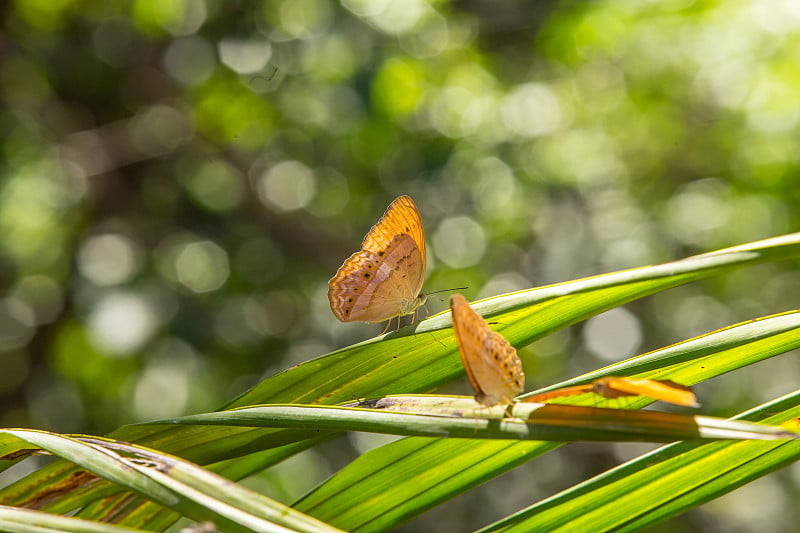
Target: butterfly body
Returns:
[491, 363]
[383, 280]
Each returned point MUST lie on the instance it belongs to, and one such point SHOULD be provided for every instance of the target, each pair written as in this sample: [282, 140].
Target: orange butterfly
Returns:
[383, 280]
[617, 387]
[491, 362]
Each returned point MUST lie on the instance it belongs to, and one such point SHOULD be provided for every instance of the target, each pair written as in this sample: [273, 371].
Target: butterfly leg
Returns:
[416, 311]
[389, 324]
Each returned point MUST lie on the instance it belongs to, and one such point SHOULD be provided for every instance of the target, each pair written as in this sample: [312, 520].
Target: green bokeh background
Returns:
[179, 179]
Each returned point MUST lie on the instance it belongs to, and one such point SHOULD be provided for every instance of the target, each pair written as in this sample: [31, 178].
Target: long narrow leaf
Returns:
[662, 483]
[151, 516]
[528, 421]
[699, 358]
[708, 355]
[30, 521]
[414, 359]
[178, 484]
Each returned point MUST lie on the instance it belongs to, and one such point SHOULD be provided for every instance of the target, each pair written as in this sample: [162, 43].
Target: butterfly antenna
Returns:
[446, 290]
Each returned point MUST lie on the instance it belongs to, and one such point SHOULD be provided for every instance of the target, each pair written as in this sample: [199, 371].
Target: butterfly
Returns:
[383, 280]
[492, 365]
[617, 387]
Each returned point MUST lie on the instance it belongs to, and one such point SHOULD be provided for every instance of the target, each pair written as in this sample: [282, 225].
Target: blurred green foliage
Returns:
[179, 179]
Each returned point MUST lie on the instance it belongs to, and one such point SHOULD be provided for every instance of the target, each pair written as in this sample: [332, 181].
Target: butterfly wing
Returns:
[469, 337]
[400, 218]
[384, 278]
[372, 288]
[491, 363]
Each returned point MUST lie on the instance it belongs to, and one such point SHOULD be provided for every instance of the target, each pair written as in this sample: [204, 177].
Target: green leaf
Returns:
[187, 488]
[30, 521]
[664, 482]
[416, 359]
[450, 416]
[687, 362]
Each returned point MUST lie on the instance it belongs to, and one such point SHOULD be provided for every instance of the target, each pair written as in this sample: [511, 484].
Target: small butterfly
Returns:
[492, 365]
[383, 280]
[617, 387]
